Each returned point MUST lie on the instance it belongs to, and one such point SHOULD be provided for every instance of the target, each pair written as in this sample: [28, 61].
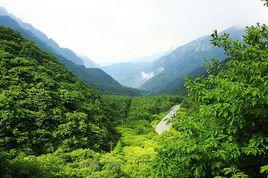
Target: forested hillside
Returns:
[99, 79]
[177, 86]
[43, 106]
[222, 130]
[55, 125]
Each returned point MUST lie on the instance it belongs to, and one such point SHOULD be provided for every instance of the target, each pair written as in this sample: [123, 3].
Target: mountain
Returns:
[129, 74]
[133, 73]
[45, 107]
[65, 52]
[185, 59]
[99, 79]
[177, 85]
[89, 63]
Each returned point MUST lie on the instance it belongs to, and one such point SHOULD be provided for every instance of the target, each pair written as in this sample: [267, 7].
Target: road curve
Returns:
[162, 126]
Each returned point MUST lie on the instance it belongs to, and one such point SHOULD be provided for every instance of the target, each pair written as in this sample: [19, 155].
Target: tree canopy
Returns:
[42, 105]
[223, 129]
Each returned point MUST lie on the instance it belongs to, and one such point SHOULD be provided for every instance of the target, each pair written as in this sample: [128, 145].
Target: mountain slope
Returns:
[65, 52]
[129, 74]
[89, 63]
[177, 85]
[184, 60]
[44, 106]
[103, 83]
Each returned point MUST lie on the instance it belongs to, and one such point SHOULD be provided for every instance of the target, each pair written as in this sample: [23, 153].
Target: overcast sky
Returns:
[114, 30]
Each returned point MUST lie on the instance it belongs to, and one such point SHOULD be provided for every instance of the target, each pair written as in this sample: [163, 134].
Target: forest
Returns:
[54, 125]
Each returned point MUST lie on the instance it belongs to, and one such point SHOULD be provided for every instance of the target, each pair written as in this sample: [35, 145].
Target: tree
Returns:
[226, 135]
[42, 105]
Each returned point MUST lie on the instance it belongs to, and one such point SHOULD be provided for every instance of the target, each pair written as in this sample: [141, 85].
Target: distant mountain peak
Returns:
[3, 11]
[65, 52]
[186, 58]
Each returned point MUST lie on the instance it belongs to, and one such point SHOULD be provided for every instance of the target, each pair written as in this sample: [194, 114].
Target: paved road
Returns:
[162, 125]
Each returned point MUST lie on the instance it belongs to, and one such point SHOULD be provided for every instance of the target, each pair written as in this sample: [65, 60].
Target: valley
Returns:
[198, 110]
[74, 63]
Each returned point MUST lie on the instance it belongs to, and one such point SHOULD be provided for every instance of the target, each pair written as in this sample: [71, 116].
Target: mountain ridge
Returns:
[65, 52]
[104, 83]
[185, 59]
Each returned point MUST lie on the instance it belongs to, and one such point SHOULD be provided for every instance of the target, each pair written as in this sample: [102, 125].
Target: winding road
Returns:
[162, 126]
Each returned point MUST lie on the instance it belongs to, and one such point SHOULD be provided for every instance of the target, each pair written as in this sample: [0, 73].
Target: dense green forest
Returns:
[43, 106]
[54, 125]
[222, 130]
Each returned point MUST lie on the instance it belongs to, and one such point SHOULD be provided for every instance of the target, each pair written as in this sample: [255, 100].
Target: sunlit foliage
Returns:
[222, 130]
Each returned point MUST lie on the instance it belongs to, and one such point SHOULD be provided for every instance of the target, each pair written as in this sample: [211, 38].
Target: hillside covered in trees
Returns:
[222, 130]
[44, 106]
[53, 125]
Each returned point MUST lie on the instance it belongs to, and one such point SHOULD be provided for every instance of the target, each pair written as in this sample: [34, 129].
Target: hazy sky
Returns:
[107, 30]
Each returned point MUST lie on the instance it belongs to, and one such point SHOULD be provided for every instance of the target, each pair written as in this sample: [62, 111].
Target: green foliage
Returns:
[264, 169]
[222, 130]
[132, 156]
[116, 107]
[78, 163]
[143, 107]
[53, 125]
[42, 105]
[138, 141]
[101, 81]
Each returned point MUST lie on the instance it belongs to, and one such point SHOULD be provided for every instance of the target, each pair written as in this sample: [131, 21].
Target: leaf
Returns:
[264, 169]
